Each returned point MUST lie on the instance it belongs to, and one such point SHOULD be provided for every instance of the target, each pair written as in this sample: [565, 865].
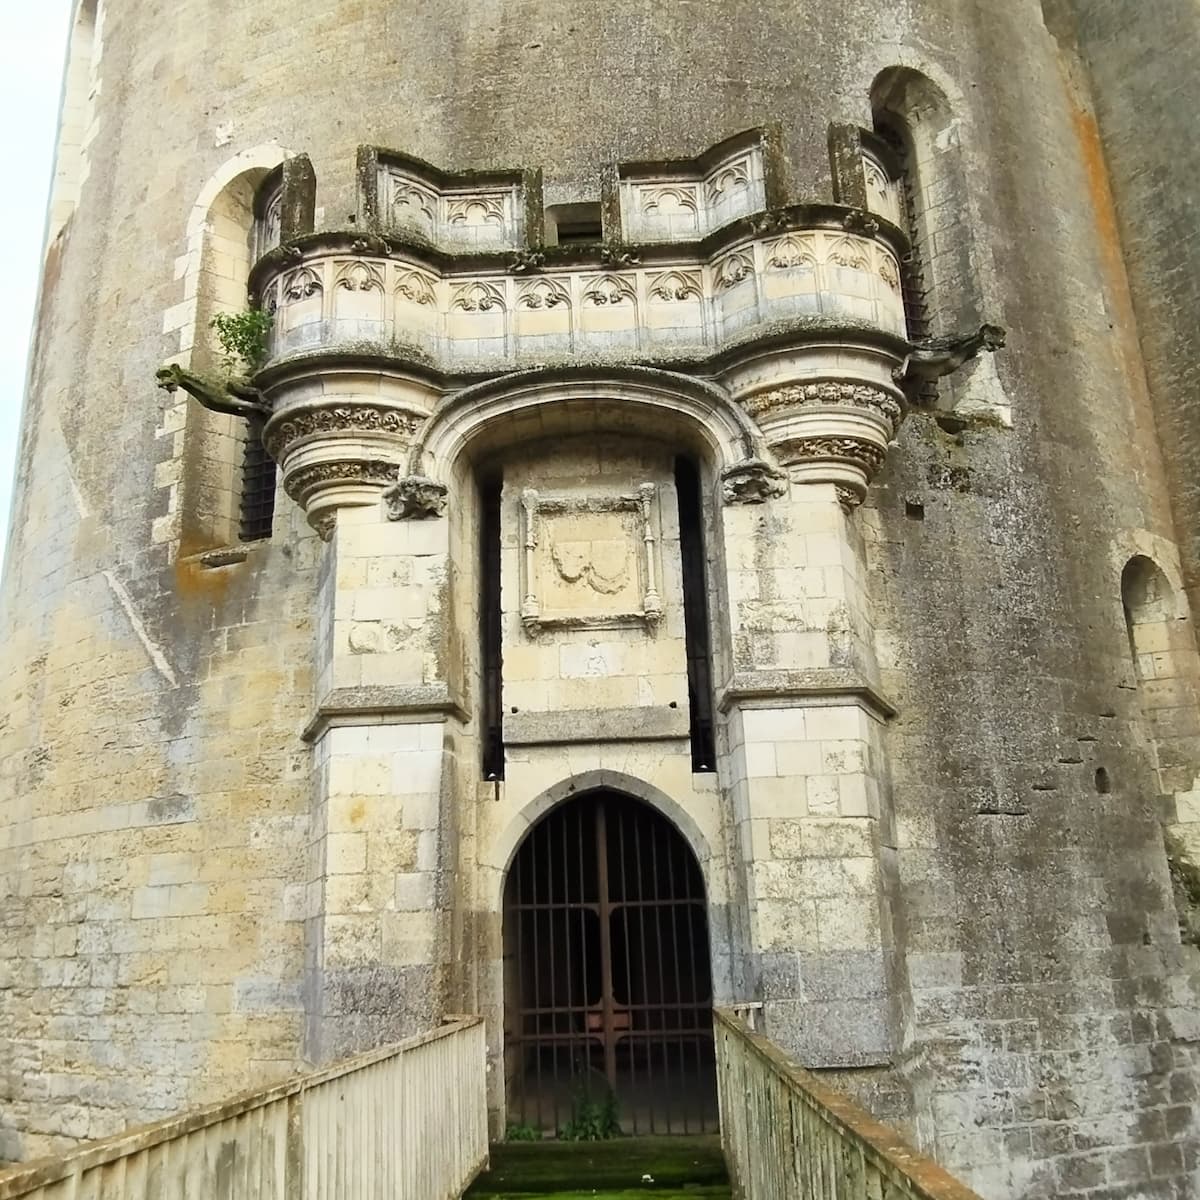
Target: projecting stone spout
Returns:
[935, 357]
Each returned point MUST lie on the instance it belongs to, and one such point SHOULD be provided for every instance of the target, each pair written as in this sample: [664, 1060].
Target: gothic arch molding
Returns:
[500, 412]
[504, 848]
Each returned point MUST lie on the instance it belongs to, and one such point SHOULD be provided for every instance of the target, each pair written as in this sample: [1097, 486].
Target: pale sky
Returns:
[32, 53]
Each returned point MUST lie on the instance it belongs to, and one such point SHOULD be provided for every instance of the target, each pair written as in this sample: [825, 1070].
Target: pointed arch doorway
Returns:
[608, 981]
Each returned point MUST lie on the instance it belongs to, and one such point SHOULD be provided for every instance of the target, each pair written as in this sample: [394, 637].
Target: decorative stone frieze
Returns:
[752, 482]
[415, 496]
[848, 462]
[762, 406]
[301, 484]
[828, 430]
[859, 451]
[295, 425]
[344, 447]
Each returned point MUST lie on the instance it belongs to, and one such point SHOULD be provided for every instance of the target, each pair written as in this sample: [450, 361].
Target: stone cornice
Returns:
[400, 704]
[779, 688]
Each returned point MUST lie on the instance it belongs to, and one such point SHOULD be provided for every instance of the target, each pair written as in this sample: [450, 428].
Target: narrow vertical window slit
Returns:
[257, 508]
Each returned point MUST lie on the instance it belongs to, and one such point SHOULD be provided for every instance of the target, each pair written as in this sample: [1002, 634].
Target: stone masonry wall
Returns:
[157, 799]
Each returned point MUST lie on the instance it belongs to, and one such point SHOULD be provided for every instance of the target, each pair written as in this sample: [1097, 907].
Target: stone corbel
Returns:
[752, 481]
[935, 357]
[415, 496]
[823, 431]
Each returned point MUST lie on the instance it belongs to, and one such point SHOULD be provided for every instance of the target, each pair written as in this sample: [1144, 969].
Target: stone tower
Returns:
[625, 451]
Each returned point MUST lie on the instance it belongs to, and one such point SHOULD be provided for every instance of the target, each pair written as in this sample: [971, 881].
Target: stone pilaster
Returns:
[383, 846]
[805, 724]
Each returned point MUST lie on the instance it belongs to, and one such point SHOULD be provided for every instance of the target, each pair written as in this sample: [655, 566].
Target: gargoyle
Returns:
[370, 244]
[935, 357]
[233, 396]
[526, 260]
[613, 256]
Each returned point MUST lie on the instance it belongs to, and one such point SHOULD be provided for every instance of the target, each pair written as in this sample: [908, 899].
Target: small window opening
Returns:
[257, 508]
[695, 615]
[914, 510]
[893, 148]
[268, 214]
[573, 224]
[1103, 783]
[491, 629]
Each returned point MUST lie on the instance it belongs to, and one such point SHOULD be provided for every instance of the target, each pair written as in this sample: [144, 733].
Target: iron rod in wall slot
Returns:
[491, 641]
[695, 614]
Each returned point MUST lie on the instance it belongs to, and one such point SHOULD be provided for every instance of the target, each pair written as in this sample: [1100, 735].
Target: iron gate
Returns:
[608, 980]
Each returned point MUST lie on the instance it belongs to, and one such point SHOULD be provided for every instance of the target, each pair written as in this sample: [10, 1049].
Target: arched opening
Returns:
[579, 542]
[608, 980]
[914, 173]
[1149, 605]
[223, 483]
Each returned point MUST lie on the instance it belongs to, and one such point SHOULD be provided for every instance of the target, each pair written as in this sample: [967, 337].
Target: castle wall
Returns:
[191, 893]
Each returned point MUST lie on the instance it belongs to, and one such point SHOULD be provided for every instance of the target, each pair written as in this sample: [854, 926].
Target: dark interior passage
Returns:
[609, 1005]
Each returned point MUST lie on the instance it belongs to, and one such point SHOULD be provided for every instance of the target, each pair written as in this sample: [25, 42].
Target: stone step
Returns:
[620, 1169]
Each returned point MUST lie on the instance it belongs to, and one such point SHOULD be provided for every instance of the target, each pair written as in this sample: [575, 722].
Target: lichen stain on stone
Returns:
[194, 581]
[358, 812]
[1111, 253]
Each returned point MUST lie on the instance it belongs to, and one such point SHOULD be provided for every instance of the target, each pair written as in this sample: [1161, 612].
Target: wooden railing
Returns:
[408, 1122]
[786, 1134]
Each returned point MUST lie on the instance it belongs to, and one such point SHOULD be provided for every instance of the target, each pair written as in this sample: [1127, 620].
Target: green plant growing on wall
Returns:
[522, 1132]
[593, 1118]
[243, 338]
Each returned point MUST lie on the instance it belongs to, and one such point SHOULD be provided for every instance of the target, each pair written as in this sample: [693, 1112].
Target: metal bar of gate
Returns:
[610, 1056]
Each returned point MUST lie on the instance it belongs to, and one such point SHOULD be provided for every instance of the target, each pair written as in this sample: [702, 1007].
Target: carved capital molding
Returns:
[290, 426]
[415, 496]
[301, 483]
[752, 482]
[834, 393]
[858, 452]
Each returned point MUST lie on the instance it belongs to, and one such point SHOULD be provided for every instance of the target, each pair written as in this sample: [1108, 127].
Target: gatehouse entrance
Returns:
[608, 983]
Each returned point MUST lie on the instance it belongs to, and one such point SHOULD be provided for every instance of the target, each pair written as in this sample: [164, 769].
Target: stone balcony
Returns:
[791, 313]
[489, 314]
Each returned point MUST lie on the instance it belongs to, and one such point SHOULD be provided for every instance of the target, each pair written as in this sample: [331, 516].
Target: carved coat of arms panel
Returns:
[590, 561]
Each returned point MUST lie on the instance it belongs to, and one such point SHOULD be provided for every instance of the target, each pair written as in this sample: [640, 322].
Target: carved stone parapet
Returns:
[752, 481]
[415, 496]
[778, 402]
